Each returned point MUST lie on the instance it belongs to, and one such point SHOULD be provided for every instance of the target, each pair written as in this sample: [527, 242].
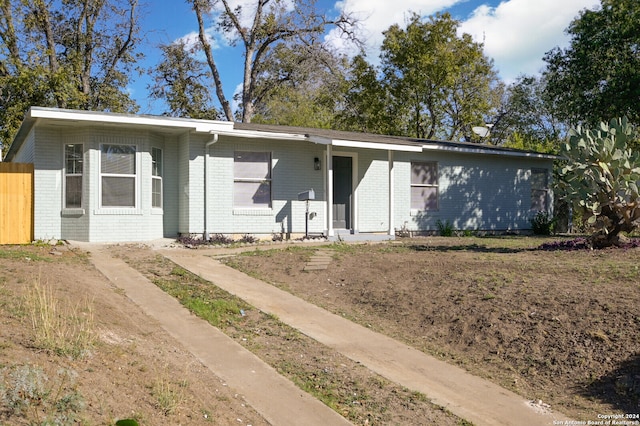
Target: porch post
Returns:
[391, 194]
[329, 162]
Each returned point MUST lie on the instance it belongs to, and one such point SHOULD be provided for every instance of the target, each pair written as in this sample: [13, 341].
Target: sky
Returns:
[516, 33]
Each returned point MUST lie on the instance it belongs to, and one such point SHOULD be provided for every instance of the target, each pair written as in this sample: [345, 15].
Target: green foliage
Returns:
[299, 85]
[69, 54]
[598, 76]
[127, 422]
[445, 229]
[541, 223]
[275, 25]
[527, 118]
[432, 83]
[601, 178]
[182, 81]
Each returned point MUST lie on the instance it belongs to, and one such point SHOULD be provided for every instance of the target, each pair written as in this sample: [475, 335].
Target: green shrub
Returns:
[542, 223]
[445, 228]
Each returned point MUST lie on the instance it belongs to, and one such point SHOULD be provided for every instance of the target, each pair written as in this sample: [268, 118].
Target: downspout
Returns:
[214, 139]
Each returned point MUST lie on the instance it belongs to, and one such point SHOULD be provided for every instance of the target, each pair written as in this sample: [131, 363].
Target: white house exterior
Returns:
[105, 177]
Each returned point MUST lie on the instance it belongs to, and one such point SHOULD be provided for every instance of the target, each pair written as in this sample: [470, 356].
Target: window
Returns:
[156, 178]
[252, 179]
[118, 175]
[539, 189]
[424, 186]
[73, 161]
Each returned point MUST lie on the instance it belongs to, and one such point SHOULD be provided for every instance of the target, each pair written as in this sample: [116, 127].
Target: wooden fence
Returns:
[16, 203]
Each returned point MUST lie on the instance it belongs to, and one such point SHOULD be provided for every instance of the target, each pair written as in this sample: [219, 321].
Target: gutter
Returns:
[214, 139]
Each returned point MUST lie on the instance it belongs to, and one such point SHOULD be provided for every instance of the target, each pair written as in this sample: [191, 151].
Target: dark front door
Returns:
[342, 192]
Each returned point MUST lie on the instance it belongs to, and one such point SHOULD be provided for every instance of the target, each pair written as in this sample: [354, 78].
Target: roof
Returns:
[395, 143]
[335, 138]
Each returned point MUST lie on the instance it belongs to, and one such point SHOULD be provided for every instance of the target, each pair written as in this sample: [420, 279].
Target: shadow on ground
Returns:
[620, 388]
[467, 247]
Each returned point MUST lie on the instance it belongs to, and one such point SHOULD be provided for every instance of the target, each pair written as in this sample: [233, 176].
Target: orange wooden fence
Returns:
[16, 203]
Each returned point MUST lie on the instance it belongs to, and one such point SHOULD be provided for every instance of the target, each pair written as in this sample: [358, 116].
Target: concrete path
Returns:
[278, 400]
[465, 395]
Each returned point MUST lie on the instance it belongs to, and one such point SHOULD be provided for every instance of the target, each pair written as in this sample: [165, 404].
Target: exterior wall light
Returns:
[316, 163]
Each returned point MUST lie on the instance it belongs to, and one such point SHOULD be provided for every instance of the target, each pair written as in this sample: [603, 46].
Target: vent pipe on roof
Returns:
[214, 139]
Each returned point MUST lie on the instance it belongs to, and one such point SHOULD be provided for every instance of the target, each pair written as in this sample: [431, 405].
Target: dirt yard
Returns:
[560, 327]
[131, 369]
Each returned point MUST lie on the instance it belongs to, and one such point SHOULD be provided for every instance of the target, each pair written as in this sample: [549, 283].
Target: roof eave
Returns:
[363, 144]
[489, 151]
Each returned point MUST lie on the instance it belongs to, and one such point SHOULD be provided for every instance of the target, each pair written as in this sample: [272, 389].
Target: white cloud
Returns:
[517, 33]
[377, 16]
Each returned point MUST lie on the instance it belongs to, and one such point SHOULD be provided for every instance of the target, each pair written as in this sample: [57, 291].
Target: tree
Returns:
[70, 54]
[260, 29]
[366, 104]
[527, 118]
[182, 81]
[437, 84]
[598, 75]
[298, 86]
[601, 179]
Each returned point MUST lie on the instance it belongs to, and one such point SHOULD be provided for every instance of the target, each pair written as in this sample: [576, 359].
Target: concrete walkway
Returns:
[278, 400]
[465, 395]
[469, 397]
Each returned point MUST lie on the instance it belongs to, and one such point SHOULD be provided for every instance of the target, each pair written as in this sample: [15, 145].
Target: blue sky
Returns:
[516, 33]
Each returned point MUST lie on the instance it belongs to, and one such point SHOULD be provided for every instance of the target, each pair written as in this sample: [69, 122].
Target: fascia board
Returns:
[362, 144]
[203, 126]
[440, 147]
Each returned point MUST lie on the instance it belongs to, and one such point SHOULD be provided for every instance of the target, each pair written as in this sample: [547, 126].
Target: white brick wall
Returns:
[477, 192]
[292, 172]
[487, 192]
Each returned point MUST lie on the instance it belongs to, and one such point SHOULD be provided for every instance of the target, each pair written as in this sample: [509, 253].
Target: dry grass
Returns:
[60, 328]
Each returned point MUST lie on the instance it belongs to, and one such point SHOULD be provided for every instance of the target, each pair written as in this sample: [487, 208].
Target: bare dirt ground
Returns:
[562, 327]
[132, 369]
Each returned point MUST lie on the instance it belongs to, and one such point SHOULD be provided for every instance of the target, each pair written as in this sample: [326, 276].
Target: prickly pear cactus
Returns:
[601, 178]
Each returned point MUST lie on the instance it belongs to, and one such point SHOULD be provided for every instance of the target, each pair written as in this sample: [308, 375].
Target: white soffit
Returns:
[362, 144]
[203, 126]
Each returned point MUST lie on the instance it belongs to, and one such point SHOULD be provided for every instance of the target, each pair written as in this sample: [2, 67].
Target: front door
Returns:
[342, 192]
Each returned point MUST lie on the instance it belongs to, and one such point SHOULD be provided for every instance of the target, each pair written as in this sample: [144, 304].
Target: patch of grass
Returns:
[18, 254]
[202, 298]
[58, 328]
[169, 396]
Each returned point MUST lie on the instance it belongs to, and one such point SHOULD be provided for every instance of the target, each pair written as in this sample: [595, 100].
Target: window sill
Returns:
[117, 211]
[72, 212]
[157, 211]
[253, 212]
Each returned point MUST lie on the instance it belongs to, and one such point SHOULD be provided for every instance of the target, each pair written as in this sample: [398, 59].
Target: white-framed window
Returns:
[118, 176]
[424, 185]
[73, 171]
[539, 190]
[251, 179]
[156, 177]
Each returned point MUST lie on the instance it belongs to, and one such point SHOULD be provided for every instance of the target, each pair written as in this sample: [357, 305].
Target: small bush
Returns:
[445, 228]
[27, 392]
[541, 223]
[248, 239]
